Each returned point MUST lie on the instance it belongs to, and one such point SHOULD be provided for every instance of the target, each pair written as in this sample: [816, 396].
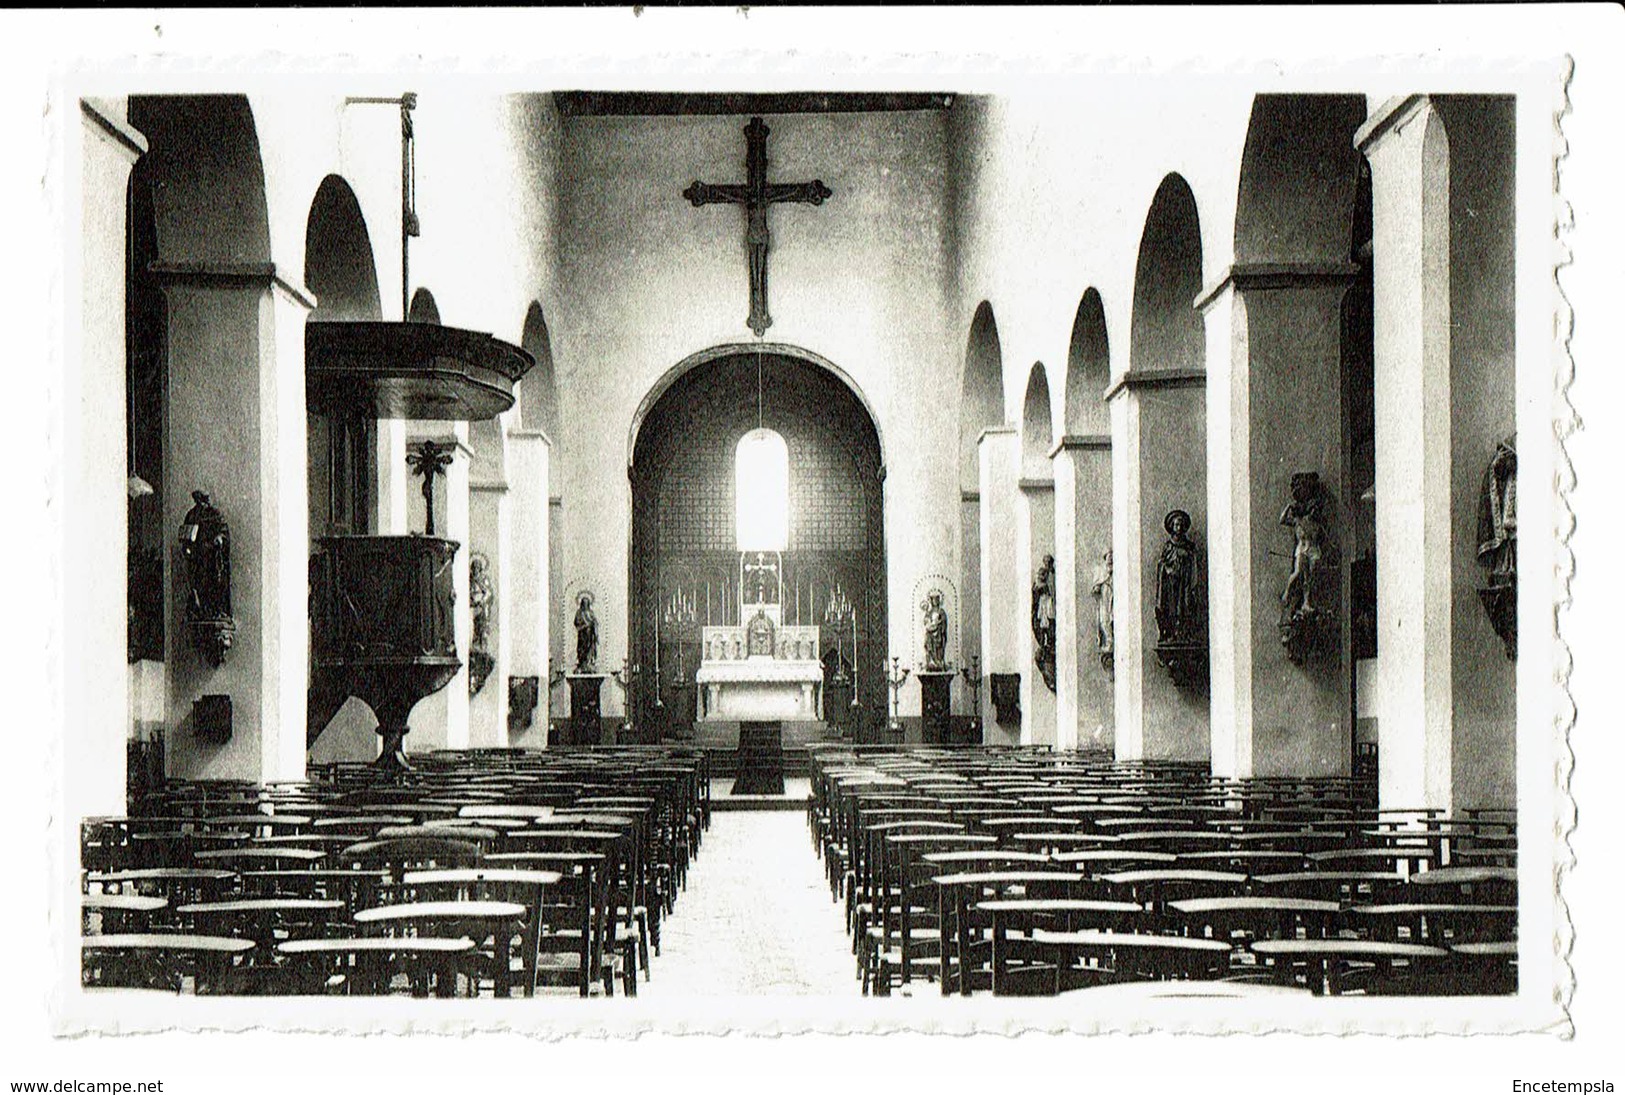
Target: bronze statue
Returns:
[1305, 515]
[1044, 621]
[1178, 603]
[481, 597]
[205, 542]
[586, 635]
[936, 631]
[1105, 625]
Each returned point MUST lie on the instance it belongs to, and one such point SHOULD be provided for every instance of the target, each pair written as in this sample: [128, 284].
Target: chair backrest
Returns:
[408, 853]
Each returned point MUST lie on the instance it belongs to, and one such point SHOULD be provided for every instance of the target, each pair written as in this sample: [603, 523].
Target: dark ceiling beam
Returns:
[596, 103]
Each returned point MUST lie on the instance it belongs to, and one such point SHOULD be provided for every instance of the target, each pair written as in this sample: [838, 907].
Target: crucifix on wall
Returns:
[756, 194]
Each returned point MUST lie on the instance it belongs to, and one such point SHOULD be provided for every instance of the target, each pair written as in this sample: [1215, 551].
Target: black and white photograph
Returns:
[662, 534]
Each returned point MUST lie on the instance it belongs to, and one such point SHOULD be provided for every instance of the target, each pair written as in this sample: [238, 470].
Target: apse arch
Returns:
[423, 308]
[685, 561]
[538, 391]
[1295, 199]
[339, 268]
[981, 403]
[209, 196]
[1088, 368]
[1037, 425]
[1165, 332]
[732, 349]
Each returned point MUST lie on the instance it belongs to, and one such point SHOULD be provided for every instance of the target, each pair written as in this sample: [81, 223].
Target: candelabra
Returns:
[895, 676]
[626, 676]
[973, 677]
[677, 618]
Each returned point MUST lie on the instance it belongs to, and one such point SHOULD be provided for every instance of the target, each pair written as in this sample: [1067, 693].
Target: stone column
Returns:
[1004, 600]
[1274, 410]
[1083, 534]
[440, 721]
[236, 429]
[490, 535]
[92, 498]
[529, 567]
[393, 478]
[1410, 175]
[1035, 538]
[1159, 463]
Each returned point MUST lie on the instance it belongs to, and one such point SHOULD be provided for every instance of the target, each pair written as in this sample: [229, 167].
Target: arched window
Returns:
[762, 491]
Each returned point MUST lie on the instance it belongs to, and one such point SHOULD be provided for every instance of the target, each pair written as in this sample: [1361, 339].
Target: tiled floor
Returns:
[756, 919]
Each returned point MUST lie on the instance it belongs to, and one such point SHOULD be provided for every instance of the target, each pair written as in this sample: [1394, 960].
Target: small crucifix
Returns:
[756, 194]
[761, 580]
[429, 459]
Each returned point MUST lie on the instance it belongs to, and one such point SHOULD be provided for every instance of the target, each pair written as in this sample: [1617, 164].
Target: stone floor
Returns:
[756, 919]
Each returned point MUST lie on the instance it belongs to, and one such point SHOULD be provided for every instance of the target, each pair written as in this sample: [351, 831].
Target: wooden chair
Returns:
[526, 887]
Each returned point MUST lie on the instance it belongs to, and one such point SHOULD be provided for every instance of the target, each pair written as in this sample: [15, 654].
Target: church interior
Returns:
[1013, 547]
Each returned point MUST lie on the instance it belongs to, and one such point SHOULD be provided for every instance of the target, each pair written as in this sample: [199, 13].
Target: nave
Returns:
[962, 871]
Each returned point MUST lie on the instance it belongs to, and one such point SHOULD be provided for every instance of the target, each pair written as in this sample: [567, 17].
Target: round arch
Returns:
[1088, 367]
[1165, 329]
[981, 402]
[1295, 198]
[538, 391]
[208, 195]
[684, 562]
[736, 349]
[339, 267]
[1037, 425]
[423, 308]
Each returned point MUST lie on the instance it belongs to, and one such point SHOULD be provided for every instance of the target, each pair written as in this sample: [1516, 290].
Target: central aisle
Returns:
[756, 919]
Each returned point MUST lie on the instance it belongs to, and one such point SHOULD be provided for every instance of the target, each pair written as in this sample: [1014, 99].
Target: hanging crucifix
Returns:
[756, 194]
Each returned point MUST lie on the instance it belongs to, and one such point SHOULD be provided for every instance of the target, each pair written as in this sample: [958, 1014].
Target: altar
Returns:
[760, 671]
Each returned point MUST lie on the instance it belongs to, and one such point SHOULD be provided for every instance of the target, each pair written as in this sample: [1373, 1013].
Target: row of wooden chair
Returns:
[552, 868]
[1006, 867]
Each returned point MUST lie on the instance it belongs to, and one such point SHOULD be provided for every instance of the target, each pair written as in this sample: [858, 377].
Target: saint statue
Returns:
[206, 549]
[481, 595]
[1044, 621]
[1305, 515]
[1498, 517]
[936, 631]
[1178, 607]
[1104, 626]
[586, 635]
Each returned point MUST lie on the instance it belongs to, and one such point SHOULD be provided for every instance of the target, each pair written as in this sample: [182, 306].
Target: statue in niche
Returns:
[1181, 615]
[1044, 621]
[586, 635]
[1178, 605]
[205, 542]
[481, 596]
[936, 631]
[1105, 629]
[1498, 543]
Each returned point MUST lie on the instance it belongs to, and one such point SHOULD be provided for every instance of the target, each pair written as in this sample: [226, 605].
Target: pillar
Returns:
[1003, 599]
[1410, 179]
[1159, 463]
[91, 495]
[236, 429]
[1275, 409]
[489, 534]
[440, 721]
[1083, 534]
[530, 578]
[1035, 538]
[970, 601]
